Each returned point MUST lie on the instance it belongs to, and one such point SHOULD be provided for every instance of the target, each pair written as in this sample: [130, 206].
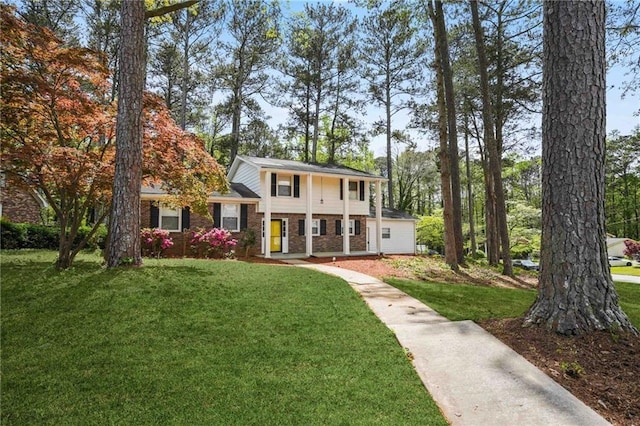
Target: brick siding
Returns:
[181, 240]
[20, 206]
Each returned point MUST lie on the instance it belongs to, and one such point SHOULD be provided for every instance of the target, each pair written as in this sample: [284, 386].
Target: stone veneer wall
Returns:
[322, 243]
[20, 206]
[181, 240]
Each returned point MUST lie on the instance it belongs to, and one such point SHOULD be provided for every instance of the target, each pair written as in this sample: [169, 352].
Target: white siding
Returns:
[249, 176]
[403, 236]
[325, 197]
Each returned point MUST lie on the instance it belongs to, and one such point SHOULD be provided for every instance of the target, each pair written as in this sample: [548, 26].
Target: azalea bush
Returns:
[215, 242]
[632, 249]
[155, 241]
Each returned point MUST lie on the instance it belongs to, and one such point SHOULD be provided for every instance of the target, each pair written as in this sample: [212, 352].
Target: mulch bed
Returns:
[601, 369]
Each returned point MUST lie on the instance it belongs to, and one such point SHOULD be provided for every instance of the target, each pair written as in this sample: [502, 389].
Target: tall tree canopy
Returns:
[57, 133]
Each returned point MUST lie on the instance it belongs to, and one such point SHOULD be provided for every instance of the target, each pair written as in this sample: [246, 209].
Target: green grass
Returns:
[626, 270]
[196, 342]
[629, 296]
[467, 302]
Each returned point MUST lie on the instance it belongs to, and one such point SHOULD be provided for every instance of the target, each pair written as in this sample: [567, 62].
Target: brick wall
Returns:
[181, 240]
[330, 242]
[20, 206]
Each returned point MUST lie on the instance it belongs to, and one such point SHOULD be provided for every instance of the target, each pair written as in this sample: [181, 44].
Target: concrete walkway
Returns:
[474, 378]
[626, 278]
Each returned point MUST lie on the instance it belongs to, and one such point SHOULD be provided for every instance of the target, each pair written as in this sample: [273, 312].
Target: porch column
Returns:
[379, 216]
[267, 215]
[307, 223]
[345, 216]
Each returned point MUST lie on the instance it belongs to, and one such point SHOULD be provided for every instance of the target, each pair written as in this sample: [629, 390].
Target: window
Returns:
[353, 190]
[231, 217]
[169, 219]
[386, 233]
[284, 186]
[352, 227]
[315, 227]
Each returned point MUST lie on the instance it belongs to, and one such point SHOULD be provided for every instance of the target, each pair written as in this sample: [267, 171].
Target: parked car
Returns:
[526, 264]
[619, 261]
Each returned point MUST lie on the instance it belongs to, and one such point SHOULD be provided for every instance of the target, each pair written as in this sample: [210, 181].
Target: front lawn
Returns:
[196, 342]
[468, 302]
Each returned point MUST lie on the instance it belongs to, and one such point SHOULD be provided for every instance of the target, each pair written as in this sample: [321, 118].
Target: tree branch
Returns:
[168, 9]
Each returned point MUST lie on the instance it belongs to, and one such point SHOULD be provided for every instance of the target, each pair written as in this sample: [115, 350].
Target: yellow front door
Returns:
[276, 235]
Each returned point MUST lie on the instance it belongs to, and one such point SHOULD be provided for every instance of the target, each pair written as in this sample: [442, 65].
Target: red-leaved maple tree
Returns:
[58, 127]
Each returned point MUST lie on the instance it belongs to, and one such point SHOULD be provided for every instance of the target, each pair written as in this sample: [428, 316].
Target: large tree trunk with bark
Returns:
[123, 246]
[495, 162]
[443, 155]
[454, 158]
[576, 294]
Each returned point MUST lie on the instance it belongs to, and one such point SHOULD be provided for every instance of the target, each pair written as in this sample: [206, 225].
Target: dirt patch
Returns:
[427, 268]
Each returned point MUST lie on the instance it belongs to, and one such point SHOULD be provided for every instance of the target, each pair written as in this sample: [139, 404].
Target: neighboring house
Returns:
[20, 205]
[308, 208]
[615, 246]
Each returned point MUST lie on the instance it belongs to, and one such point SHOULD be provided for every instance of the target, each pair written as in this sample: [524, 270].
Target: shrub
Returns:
[215, 242]
[43, 237]
[12, 235]
[248, 240]
[98, 240]
[32, 236]
[155, 241]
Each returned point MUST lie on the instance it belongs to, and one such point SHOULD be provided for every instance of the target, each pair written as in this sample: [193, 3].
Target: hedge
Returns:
[32, 236]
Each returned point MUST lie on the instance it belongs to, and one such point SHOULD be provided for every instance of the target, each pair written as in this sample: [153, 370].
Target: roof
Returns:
[389, 213]
[299, 166]
[236, 190]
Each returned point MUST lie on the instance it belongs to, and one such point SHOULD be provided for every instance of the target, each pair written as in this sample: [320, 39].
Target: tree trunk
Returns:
[576, 294]
[443, 154]
[390, 200]
[472, 228]
[454, 160]
[495, 166]
[124, 223]
[236, 120]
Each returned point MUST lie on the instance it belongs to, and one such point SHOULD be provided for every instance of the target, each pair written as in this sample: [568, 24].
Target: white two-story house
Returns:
[296, 208]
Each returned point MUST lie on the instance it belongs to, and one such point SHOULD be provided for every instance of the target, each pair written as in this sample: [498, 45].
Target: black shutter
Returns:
[323, 227]
[361, 190]
[217, 215]
[341, 190]
[301, 227]
[357, 226]
[338, 227]
[186, 218]
[296, 186]
[155, 216]
[243, 216]
[274, 184]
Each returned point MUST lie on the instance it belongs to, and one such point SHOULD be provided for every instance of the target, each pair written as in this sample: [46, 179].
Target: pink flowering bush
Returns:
[215, 242]
[155, 241]
[632, 249]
